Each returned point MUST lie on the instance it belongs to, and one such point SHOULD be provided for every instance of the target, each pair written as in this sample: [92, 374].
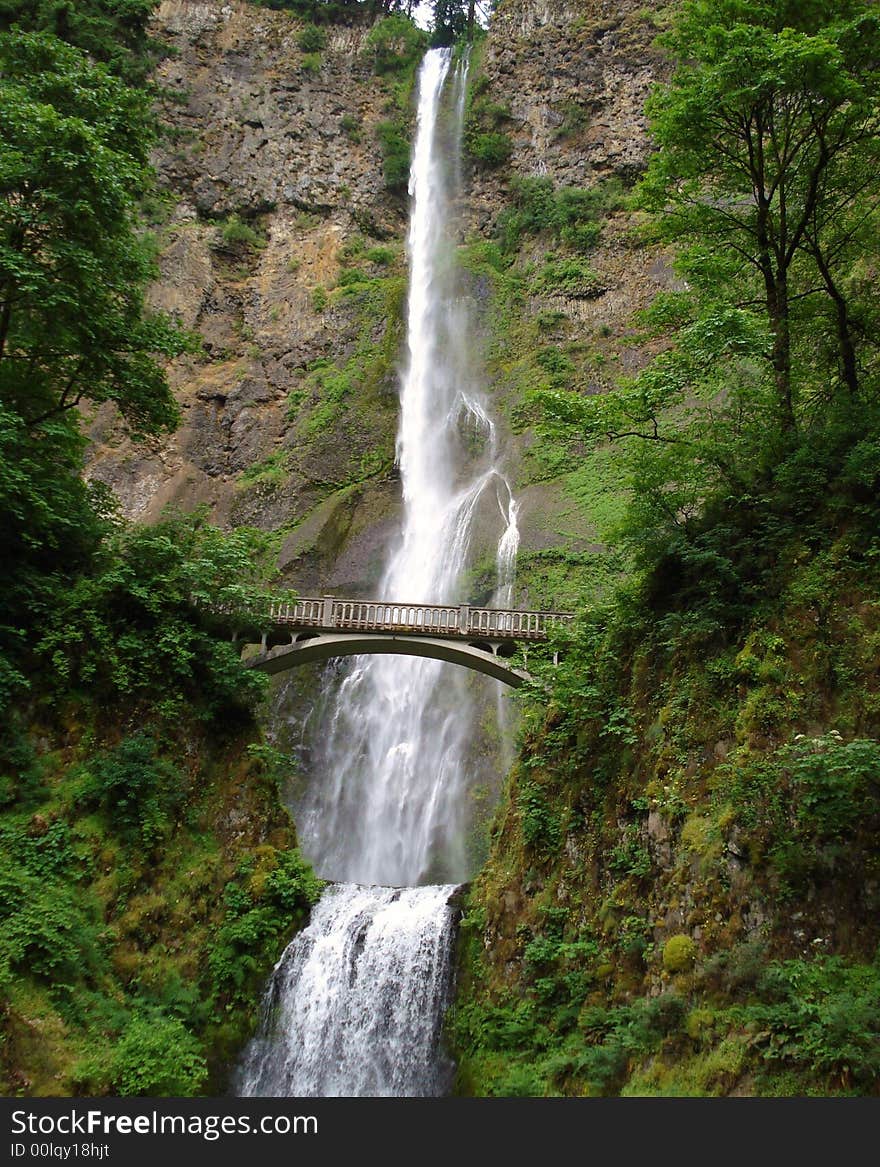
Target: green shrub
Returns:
[312, 39]
[570, 214]
[490, 148]
[235, 235]
[395, 155]
[351, 275]
[156, 1056]
[820, 1016]
[137, 625]
[351, 127]
[381, 256]
[540, 825]
[570, 277]
[270, 894]
[836, 783]
[395, 44]
[137, 790]
[48, 928]
[320, 299]
[679, 953]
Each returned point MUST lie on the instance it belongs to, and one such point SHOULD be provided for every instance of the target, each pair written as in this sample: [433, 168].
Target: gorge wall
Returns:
[649, 867]
[289, 404]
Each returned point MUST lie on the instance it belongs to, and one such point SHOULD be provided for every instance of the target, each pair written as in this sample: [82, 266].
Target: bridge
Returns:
[320, 628]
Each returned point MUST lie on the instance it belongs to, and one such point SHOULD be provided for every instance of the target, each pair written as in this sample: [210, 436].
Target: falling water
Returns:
[356, 1002]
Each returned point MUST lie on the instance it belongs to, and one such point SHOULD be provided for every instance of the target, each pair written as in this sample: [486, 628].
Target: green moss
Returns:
[133, 962]
[273, 469]
[679, 953]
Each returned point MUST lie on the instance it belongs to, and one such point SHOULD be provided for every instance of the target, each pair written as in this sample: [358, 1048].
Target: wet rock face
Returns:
[261, 120]
[575, 77]
[269, 165]
[270, 168]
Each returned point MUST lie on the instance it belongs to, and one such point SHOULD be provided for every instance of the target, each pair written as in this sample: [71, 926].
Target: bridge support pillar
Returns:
[464, 617]
[327, 612]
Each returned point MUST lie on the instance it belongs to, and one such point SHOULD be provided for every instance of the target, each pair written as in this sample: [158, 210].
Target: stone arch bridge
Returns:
[317, 629]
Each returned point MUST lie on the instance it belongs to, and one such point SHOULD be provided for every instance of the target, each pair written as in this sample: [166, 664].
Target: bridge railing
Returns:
[328, 612]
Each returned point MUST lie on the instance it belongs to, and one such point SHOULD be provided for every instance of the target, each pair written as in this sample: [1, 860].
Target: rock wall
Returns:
[264, 138]
[260, 134]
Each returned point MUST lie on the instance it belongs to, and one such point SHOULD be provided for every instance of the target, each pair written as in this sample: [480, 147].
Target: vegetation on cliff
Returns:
[149, 874]
[683, 887]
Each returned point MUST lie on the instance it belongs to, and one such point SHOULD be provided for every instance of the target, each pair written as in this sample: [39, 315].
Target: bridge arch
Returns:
[479, 655]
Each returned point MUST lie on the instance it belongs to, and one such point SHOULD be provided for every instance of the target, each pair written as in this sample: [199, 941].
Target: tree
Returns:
[74, 144]
[450, 20]
[769, 141]
[111, 31]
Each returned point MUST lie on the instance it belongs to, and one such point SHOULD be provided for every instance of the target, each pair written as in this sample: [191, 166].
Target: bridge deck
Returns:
[327, 613]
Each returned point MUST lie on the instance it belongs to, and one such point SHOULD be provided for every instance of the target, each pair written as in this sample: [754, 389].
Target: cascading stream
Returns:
[356, 1002]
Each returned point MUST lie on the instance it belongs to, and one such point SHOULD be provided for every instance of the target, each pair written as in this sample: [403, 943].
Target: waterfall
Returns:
[355, 1004]
[336, 999]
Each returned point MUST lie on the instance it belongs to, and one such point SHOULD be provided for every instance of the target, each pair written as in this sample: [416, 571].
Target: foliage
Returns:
[485, 137]
[51, 527]
[569, 214]
[139, 624]
[768, 160]
[395, 155]
[311, 39]
[821, 1015]
[490, 148]
[395, 44]
[156, 1056]
[836, 783]
[114, 32]
[74, 145]
[136, 789]
[48, 929]
[236, 236]
[571, 277]
[540, 825]
[271, 892]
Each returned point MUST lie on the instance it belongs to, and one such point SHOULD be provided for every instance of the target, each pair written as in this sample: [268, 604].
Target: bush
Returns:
[136, 789]
[570, 214]
[312, 39]
[821, 1016]
[679, 953]
[139, 625]
[47, 928]
[570, 277]
[836, 783]
[271, 892]
[156, 1057]
[540, 825]
[351, 127]
[395, 155]
[490, 148]
[396, 44]
[234, 235]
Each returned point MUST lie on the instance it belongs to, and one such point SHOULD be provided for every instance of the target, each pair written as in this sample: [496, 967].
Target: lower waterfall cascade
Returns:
[355, 1005]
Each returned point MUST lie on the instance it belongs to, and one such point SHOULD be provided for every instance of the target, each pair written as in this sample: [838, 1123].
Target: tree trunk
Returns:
[845, 341]
[777, 307]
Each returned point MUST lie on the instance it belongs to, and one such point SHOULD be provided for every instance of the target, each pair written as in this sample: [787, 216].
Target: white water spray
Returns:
[357, 999]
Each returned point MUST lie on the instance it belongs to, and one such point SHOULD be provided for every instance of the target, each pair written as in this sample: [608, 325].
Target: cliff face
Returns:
[575, 77]
[280, 245]
[268, 168]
